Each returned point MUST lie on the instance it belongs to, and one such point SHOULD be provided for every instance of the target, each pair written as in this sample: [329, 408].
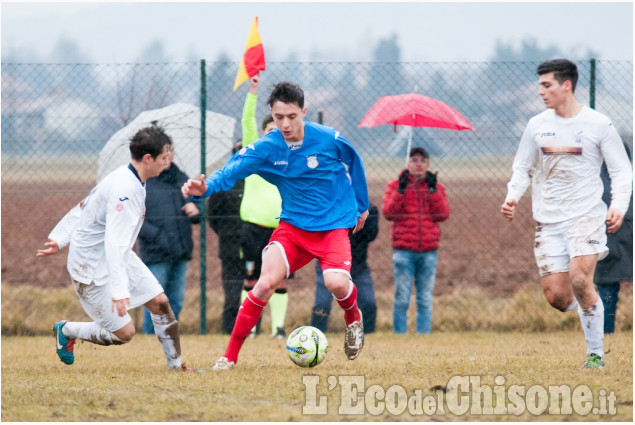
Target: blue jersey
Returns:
[318, 192]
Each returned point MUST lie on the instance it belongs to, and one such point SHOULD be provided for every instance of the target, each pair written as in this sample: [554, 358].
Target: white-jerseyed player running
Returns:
[560, 154]
[109, 278]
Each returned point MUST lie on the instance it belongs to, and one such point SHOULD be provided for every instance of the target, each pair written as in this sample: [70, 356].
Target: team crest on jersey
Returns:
[244, 150]
[578, 136]
[311, 161]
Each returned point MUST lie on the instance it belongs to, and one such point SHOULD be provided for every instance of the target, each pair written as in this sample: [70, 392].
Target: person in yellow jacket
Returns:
[260, 211]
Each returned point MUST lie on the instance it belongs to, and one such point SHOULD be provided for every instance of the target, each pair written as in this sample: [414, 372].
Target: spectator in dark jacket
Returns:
[360, 273]
[618, 265]
[224, 217]
[415, 203]
[165, 239]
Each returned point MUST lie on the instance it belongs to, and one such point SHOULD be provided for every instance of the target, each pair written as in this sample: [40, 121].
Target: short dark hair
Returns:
[149, 140]
[563, 70]
[266, 121]
[419, 151]
[286, 92]
[237, 146]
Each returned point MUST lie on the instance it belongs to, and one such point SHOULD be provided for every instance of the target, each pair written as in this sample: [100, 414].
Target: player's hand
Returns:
[190, 209]
[194, 187]
[508, 208]
[121, 306]
[254, 82]
[360, 222]
[51, 248]
[614, 220]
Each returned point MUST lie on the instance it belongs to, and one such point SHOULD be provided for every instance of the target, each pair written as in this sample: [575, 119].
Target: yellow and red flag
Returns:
[254, 57]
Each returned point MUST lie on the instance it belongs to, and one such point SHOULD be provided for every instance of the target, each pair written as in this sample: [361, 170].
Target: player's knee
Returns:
[159, 304]
[558, 301]
[124, 335]
[580, 282]
[267, 283]
[337, 282]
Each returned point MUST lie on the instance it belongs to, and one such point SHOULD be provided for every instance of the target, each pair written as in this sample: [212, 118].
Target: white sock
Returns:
[573, 305]
[592, 319]
[91, 332]
[166, 329]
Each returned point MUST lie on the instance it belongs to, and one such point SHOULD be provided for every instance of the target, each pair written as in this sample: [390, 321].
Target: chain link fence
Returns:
[57, 117]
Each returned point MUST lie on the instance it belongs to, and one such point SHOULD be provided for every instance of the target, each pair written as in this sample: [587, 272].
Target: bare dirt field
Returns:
[478, 247]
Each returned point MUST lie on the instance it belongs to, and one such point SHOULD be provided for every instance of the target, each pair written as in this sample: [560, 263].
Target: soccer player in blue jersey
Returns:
[322, 184]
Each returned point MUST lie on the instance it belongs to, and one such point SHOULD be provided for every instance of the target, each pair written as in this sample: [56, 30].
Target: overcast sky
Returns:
[426, 31]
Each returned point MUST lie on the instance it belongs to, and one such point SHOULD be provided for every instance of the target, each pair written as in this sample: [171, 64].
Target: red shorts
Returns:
[332, 248]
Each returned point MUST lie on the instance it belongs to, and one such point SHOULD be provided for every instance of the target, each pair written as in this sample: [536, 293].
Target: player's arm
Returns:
[621, 174]
[61, 234]
[355, 165]
[248, 121]
[244, 163]
[524, 161]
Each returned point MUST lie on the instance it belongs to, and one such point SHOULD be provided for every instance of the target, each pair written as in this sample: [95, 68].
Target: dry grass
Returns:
[131, 383]
[31, 310]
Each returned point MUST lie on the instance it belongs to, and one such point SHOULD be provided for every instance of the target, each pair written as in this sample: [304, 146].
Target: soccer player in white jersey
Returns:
[560, 154]
[108, 277]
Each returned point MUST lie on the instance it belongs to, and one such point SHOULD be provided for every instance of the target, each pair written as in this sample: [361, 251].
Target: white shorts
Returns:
[557, 243]
[97, 299]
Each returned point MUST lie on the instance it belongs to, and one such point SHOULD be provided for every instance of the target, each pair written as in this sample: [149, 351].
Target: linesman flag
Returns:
[254, 57]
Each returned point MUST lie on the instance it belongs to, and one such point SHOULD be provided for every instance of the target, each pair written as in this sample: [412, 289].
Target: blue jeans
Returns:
[365, 299]
[609, 295]
[172, 277]
[420, 267]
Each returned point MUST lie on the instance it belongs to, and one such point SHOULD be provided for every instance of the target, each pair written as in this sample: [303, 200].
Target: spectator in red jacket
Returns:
[415, 203]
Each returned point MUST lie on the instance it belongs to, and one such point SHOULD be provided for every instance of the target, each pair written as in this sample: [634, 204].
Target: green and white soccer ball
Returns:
[307, 346]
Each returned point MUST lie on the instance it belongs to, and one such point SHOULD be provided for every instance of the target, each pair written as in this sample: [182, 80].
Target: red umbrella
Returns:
[414, 110]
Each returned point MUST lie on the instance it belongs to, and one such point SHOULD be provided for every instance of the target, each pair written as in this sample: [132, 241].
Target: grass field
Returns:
[132, 383]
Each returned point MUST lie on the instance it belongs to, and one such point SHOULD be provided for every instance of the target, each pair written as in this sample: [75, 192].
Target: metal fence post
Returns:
[203, 220]
[592, 85]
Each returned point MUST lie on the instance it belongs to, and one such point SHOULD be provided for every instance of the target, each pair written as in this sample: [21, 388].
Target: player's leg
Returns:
[552, 259]
[253, 240]
[280, 298]
[166, 328]
[425, 273]
[587, 245]
[106, 329]
[145, 290]
[590, 308]
[403, 274]
[557, 290]
[333, 251]
[339, 283]
[323, 301]
[274, 269]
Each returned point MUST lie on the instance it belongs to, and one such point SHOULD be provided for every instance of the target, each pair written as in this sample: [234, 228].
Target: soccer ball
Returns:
[307, 346]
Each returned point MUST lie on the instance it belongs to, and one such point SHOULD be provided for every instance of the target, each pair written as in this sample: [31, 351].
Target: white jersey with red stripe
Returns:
[561, 159]
[102, 231]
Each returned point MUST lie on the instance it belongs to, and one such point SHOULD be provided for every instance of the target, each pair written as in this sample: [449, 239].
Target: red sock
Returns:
[247, 317]
[349, 304]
